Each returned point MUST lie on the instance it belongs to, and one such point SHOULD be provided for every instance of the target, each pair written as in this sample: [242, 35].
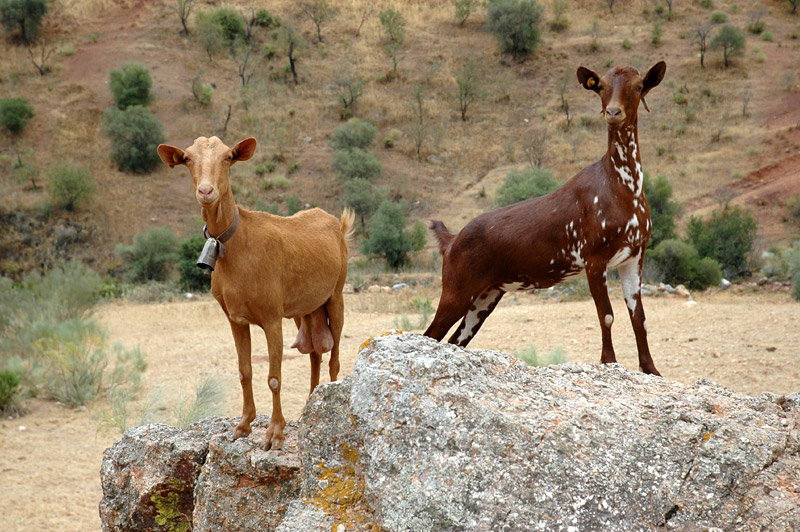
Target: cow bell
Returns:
[208, 257]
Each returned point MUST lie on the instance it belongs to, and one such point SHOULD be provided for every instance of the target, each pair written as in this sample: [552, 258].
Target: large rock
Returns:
[427, 436]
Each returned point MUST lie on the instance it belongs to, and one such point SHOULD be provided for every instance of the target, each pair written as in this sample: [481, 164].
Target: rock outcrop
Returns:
[430, 437]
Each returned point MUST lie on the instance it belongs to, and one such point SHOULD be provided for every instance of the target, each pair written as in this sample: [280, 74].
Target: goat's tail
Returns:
[347, 224]
[442, 234]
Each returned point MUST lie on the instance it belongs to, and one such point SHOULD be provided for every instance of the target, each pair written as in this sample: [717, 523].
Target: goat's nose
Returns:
[205, 190]
[613, 112]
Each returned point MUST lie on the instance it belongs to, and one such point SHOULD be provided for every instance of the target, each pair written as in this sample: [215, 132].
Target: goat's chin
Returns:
[207, 202]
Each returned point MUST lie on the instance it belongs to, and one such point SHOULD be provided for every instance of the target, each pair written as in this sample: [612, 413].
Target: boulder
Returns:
[429, 437]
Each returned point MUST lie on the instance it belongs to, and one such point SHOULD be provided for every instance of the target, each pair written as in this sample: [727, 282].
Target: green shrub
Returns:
[356, 163]
[70, 186]
[679, 263]
[520, 185]
[265, 168]
[794, 270]
[190, 277]
[363, 197]
[74, 372]
[530, 355]
[707, 4]
[150, 256]
[767, 36]
[230, 23]
[279, 181]
[131, 85]
[515, 24]
[265, 19]
[14, 114]
[134, 134]
[626, 44]
[293, 205]
[727, 237]
[209, 33]
[719, 17]
[388, 237]
[202, 92]
[354, 134]
[732, 42]
[292, 166]
[757, 27]
[9, 389]
[391, 139]
[23, 15]
[208, 400]
[662, 209]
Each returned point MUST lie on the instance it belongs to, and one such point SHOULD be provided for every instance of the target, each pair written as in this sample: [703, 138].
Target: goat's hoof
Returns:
[241, 433]
[275, 439]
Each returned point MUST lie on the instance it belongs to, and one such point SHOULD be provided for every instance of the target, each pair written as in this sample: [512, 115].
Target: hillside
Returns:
[704, 143]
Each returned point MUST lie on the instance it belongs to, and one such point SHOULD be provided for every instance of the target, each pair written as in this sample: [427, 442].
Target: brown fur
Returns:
[598, 219]
[274, 268]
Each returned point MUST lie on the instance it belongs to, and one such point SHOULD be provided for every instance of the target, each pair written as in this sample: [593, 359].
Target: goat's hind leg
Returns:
[479, 310]
[335, 309]
[241, 337]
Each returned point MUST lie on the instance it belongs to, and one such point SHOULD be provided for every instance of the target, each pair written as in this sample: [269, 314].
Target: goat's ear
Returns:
[654, 77]
[171, 155]
[243, 150]
[589, 79]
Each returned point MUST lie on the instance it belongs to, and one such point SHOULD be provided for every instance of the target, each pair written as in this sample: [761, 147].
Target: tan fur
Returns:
[274, 268]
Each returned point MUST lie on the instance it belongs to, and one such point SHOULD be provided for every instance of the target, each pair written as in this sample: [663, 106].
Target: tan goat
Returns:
[269, 268]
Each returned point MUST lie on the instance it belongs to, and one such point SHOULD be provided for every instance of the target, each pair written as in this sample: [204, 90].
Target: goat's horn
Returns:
[645, 105]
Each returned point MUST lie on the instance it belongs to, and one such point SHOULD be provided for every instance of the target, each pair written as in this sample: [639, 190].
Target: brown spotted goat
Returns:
[269, 268]
[597, 220]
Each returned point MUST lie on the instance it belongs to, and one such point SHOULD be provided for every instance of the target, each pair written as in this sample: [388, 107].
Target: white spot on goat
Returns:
[609, 320]
[273, 383]
[631, 282]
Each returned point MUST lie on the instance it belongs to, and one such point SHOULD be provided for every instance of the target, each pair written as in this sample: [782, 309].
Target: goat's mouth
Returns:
[206, 199]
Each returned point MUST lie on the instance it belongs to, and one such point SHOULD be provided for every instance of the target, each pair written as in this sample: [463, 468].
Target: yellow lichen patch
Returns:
[341, 495]
[348, 453]
[366, 342]
[707, 436]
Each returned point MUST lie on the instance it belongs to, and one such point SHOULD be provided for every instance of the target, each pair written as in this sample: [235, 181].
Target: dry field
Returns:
[50, 459]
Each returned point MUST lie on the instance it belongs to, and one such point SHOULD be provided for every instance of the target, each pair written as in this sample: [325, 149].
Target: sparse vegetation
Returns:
[388, 236]
[394, 29]
[468, 87]
[663, 209]
[190, 277]
[354, 134]
[531, 356]
[678, 262]
[70, 186]
[463, 9]
[732, 42]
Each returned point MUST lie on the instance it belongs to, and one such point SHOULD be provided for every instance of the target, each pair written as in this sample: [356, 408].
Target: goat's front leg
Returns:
[277, 422]
[241, 337]
[596, 275]
[630, 273]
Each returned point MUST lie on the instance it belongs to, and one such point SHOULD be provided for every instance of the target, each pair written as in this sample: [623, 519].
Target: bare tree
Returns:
[44, 54]
[610, 4]
[366, 11]
[468, 87]
[701, 38]
[747, 95]
[563, 84]
[669, 5]
[318, 11]
[535, 146]
[184, 8]
[420, 128]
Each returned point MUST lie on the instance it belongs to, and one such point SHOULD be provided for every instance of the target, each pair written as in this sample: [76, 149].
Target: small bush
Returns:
[757, 27]
[356, 163]
[190, 277]
[767, 36]
[680, 98]
[135, 134]
[530, 355]
[265, 168]
[208, 400]
[230, 23]
[265, 19]
[70, 186]
[292, 166]
[354, 134]
[150, 256]
[391, 139]
[706, 4]
[719, 17]
[293, 205]
[520, 185]
[14, 114]
[23, 15]
[515, 24]
[626, 44]
[662, 209]
[74, 371]
[463, 9]
[280, 182]
[388, 237]
[679, 263]
[727, 237]
[131, 85]
[202, 92]
[9, 389]
[363, 197]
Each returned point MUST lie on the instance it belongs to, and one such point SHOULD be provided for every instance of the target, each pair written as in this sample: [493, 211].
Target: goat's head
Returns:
[208, 160]
[621, 90]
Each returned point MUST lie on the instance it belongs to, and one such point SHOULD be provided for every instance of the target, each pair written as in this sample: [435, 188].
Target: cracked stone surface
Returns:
[429, 437]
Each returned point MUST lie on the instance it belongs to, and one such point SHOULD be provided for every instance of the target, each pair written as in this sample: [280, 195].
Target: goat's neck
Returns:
[623, 160]
[220, 216]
